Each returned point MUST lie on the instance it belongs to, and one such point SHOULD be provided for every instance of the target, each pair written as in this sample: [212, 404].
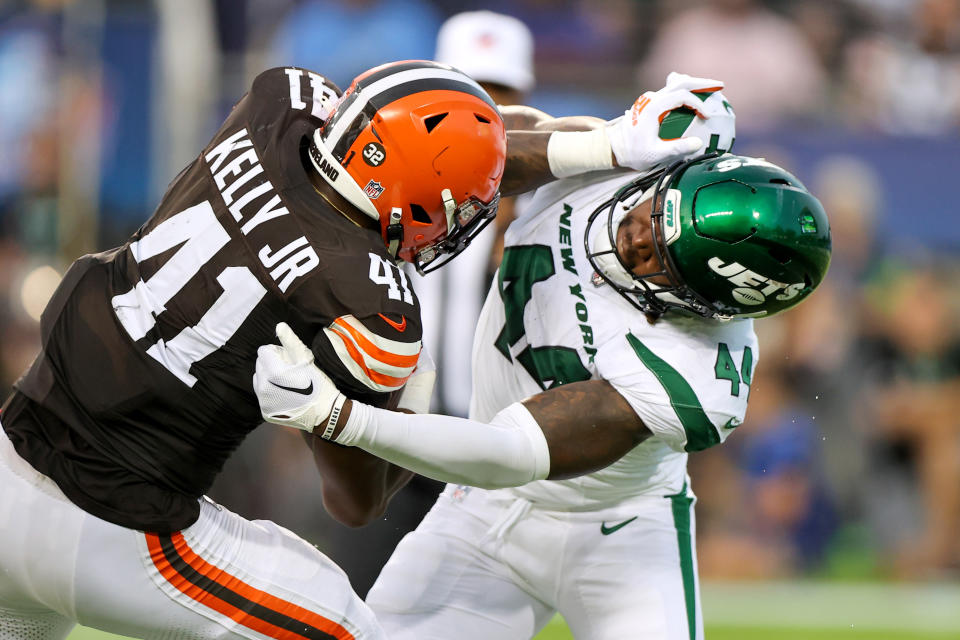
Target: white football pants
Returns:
[484, 565]
[222, 577]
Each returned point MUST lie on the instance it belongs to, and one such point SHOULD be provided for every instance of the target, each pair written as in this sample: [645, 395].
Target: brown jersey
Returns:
[144, 387]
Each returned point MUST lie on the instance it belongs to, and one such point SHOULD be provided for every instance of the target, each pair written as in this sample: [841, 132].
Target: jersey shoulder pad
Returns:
[367, 316]
[294, 89]
[370, 283]
[355, 278]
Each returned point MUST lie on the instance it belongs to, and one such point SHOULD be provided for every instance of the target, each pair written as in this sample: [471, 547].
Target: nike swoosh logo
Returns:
[732, 423]
[605, 530]
[399, 326]
[302, 391]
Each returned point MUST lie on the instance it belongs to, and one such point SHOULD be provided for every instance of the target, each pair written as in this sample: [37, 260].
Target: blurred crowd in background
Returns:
[848, 465]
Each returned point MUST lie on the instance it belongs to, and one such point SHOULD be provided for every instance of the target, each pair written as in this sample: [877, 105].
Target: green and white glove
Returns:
[635, 136]
[291, 389]
[714, 120]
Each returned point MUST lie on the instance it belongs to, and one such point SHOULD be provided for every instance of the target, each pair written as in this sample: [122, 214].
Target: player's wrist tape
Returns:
[570, 153]
[334, 417]
[509, 451]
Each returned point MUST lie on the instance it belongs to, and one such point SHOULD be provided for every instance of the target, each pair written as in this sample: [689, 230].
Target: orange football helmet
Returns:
[420, 147]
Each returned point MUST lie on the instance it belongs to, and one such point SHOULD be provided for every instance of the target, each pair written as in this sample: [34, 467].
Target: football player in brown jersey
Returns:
[297, 211]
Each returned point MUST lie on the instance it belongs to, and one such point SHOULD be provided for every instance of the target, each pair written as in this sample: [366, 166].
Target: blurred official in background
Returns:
[496, 50]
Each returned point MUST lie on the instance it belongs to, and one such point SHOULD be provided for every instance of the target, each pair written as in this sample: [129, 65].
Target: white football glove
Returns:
[690, 83]
[418, 390]
[291, 390]
[635, 136]
[717, 124]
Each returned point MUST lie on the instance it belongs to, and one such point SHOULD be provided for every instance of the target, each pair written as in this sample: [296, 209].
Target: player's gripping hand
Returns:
[291, 389]
[682, 81]
[418, 390]
[635, 136]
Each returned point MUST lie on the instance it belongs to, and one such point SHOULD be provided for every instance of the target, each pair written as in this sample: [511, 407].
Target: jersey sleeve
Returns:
[364, 318]
[369, 355]
[690, 390]
[294, 89]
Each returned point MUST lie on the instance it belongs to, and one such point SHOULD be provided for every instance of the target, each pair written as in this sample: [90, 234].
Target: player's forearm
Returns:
[535, 158]
[527, 167]
[523, 118]
[562, 433]
[510, 451]
[529, 148]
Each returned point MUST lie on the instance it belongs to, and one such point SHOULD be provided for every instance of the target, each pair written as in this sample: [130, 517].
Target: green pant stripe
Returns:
[701, 434]
[681, 521]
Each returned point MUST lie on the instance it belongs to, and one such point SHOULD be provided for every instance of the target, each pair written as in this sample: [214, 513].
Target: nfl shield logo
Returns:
[373, 189]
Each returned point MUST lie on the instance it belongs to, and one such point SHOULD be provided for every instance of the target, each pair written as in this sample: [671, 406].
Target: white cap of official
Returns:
[488, 47]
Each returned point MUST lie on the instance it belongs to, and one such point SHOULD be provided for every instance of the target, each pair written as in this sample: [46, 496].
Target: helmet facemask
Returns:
[642, 291]
[464, 221]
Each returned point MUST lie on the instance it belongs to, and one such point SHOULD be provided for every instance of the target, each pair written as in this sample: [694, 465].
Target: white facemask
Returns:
[608, 262]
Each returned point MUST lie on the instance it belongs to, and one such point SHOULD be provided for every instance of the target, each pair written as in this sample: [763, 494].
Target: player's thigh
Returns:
[38, 530]
[637, 582]
[223, 577]
[441, 582]
[37, 625]
[61, 564]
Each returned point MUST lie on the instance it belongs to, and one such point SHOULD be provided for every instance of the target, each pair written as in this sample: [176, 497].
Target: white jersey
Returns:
[546, 323]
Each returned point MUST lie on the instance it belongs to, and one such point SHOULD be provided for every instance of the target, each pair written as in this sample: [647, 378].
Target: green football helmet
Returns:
[735, 237]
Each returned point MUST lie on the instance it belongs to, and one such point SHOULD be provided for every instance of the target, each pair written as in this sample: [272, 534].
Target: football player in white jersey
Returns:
[617, 339]
[113, 436]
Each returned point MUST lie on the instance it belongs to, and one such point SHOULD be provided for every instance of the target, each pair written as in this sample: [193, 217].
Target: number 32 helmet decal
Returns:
[421, 148]
[734, 236]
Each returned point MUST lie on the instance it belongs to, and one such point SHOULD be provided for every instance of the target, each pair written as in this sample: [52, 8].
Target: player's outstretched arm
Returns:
[560, 433]
[541, 149]
[528, 139]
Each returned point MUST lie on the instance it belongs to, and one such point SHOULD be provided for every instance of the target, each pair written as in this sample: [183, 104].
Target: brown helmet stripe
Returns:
[423, 65]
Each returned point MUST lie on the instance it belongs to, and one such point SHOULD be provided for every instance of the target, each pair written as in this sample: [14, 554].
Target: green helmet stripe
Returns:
[701, 433]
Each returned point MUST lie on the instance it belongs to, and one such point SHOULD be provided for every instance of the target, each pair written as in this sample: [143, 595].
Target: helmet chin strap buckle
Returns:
[394, 231]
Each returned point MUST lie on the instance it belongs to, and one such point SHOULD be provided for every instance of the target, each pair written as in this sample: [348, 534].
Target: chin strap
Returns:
[394, 231]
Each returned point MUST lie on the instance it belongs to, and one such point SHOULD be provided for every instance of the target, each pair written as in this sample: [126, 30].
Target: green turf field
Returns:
[802, 611]
[557, 631]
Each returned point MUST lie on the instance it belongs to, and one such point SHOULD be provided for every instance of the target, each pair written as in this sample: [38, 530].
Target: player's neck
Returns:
[335, 200]
[341, 204]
